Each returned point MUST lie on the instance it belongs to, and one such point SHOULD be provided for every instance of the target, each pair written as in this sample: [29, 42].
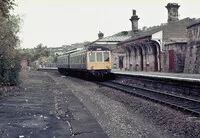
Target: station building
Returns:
[159, 48]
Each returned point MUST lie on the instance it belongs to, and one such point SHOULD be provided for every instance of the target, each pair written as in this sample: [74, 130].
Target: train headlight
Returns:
[92, 67]
[107, 67]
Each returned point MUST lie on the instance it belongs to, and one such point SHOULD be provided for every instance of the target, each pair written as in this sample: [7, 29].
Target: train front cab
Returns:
[99, 63]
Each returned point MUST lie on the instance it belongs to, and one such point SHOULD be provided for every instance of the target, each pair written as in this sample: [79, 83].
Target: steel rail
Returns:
[181, 102]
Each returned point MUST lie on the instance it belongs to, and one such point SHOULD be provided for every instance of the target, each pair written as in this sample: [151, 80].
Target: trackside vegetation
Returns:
[10, 60]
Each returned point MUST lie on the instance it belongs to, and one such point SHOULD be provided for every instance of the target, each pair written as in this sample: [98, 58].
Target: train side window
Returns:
[84, 58]
[106, 56]
[92, 57]
[77, 59]
[99, 57]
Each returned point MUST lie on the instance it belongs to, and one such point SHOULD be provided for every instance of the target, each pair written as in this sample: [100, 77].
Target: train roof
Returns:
[73, 50]
[97, 48]
[80, 50]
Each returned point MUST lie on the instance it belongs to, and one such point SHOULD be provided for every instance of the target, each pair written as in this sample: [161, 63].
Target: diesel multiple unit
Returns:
[94, 61]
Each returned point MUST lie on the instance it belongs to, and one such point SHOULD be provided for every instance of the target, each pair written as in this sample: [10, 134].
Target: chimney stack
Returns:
[172, 12]
[134, 21]
[100, 35]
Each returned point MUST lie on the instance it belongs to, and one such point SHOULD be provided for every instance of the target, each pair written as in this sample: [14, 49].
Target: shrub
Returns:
[9, 71]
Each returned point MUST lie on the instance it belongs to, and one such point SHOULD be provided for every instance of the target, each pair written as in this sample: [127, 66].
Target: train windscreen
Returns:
[92, 57]
[99, 57]
[106, 56]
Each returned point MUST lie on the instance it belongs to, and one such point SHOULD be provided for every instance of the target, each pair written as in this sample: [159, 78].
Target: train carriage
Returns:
[94, 61]
[63, 63]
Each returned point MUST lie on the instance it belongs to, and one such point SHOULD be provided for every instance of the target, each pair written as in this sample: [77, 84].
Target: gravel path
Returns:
[123, 116]
[31, 112]
[45, 108]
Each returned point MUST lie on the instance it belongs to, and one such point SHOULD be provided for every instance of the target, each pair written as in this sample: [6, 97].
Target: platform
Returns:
[179, 76]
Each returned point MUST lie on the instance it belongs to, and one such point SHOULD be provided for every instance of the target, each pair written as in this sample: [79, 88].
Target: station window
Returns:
[99, 57]
[106, 56]
[92, 57]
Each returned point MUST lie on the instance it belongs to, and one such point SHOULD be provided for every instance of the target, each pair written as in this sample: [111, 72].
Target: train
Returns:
[92, 62]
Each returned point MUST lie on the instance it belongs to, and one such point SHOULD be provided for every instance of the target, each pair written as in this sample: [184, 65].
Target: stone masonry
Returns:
[192, 62]
[174, 56]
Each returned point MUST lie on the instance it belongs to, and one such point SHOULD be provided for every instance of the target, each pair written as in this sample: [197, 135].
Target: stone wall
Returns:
[174, 57]
[118, 53]
[176, 31]
[169, 85]
[192, 62]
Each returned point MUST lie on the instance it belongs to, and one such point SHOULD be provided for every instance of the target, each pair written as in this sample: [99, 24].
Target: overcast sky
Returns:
[58, 22]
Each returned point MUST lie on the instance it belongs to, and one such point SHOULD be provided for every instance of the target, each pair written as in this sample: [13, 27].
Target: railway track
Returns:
[181, 102]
